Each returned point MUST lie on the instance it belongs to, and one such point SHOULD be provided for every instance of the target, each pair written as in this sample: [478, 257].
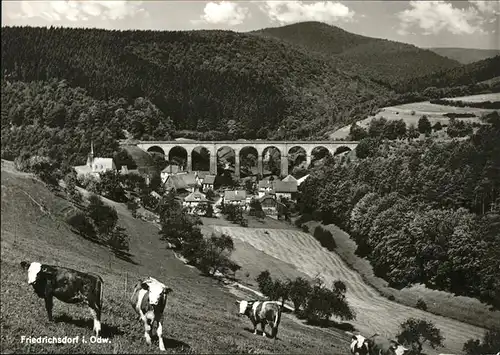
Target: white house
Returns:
[195, 203]
[95, 166]
[208, 182]
[236, 197]
[286, 189]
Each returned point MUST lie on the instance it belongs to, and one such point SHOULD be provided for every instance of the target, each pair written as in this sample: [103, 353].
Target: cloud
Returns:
[223, 12]
[74, 10]
[434, 17]
[285, 12]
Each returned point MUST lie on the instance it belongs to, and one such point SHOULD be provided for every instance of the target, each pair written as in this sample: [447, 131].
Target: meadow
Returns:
[201, 314]
[303, 255]
[412, 112]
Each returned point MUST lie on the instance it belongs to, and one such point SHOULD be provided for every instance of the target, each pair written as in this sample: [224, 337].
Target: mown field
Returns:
[375, 313]
[201, 315]
[411, 113]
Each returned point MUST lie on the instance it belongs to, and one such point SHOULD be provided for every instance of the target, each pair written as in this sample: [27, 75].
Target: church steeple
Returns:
[90, 158]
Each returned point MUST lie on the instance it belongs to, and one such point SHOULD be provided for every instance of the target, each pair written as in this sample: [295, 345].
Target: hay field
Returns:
[412, 112]
[201, 315]
[374, 312]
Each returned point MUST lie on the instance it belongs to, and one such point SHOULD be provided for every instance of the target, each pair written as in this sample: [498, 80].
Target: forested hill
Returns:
[381, 59]
[465, 75]
[466, 55]
[200, 79]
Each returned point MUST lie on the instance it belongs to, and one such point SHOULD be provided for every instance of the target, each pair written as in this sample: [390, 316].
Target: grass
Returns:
[412, 112]
[305, 256]
[201, 315]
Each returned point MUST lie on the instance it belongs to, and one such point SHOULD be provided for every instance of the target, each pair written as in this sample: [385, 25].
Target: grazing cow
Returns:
[149, 300]
[376, 345]
[67, 285]
[267, 312]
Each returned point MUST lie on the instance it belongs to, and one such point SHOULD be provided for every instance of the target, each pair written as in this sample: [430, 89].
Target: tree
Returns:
[104, 217]
[215, 254]
[489, 345]
[437, 126]
[299, 292]
[424, 125]
[366, 148]
[377, 127]
[357, 133]
[133, 206]
[416, 332]
[210, 194]
[412, 132]
[110, 185]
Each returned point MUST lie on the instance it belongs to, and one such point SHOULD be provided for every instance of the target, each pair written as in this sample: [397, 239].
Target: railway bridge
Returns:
[260, 146]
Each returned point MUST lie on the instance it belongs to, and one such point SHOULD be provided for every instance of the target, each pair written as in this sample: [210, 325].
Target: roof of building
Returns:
[285, 186]
[289, 178]
[171, 169]
[268, 196]
[209, 179]
[302, 179]
[189, 178]
[235, 195]
[176, 182]
[202, 173]
[83, 169]
[195, 196]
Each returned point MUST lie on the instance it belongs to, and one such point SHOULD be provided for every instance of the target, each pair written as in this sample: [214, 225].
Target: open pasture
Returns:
[201, 316]
[374, 312]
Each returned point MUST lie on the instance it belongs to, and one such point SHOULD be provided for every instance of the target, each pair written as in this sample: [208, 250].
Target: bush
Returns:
[489, 345]
[325, 238]
[416, 332]
[391, 298]
[82, 224]
[104, 217]
[305, 228]
[421, 305]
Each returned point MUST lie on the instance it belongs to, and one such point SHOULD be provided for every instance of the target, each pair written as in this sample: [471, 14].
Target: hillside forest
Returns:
[209, 85]
[421, 211]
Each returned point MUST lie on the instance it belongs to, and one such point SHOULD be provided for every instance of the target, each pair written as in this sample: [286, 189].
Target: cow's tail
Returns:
[101, 297]
[277, 320]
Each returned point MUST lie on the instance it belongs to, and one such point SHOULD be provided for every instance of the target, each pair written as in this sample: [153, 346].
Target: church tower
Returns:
[90, 158]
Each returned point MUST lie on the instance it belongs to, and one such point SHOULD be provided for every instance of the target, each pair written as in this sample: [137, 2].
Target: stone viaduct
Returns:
[260, 145]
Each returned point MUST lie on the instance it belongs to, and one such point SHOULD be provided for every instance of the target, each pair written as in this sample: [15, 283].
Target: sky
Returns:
[466, 24]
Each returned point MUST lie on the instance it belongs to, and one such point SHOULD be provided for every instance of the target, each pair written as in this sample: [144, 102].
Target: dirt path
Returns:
[374, 312]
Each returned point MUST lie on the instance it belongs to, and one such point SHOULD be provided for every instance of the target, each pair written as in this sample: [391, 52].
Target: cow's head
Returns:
[360, 345]
[33, 268]
[156, 290]
[397, 348]
[244, 306]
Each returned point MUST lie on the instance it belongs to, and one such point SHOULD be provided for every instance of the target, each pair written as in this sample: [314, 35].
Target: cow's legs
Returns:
[97, 321]
[147, 330]
[263, 326]
[49, 303]
[254, 327]
[159, 330]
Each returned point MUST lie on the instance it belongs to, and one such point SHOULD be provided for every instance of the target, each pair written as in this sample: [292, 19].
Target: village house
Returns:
[235, 197]
[264, 187]
[208, 182]
[289, 178]
[269, 206]
[185, 181]
[285, 189]
[95, 166]
[196, 202]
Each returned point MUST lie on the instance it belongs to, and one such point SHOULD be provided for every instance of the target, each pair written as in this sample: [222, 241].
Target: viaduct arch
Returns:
[260, 145]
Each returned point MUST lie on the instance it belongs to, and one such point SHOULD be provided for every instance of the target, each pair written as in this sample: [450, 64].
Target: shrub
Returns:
[489, 345]
[305, 228]
[416, 332]
[104, 217]
[391, 298]
[325, 238]
[82, 224]
[421, 305]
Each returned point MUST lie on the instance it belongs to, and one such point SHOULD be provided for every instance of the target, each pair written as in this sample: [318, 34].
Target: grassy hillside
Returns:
[411, 113]
[381, 59]
[33, 228]
[374, 312]
[466, 55]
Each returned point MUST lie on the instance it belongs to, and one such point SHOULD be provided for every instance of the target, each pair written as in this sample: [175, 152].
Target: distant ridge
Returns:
[466, 55]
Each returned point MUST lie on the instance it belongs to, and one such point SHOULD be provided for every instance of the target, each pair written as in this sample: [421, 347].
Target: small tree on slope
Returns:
[416, 332]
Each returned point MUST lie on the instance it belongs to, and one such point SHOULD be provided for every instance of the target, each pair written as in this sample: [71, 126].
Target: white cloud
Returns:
[223, 12]
[436, 16]
[77, 10]
[285, 12]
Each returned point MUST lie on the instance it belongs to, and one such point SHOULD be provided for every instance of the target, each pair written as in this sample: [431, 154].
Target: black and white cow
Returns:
[149, 300]
[262, 312]
[67, 285]
[376, 345]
